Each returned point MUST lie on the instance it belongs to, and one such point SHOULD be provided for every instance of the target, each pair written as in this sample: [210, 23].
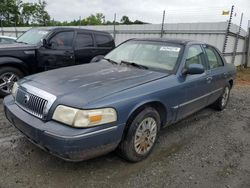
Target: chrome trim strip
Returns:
[83, 135]
[196, 99]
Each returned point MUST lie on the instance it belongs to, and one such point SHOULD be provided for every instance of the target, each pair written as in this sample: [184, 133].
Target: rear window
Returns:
[214, 58]
[103, 41]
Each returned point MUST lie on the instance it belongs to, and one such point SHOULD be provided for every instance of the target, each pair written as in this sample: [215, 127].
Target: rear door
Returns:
[216, 72]
[59, 52]
[84, 47]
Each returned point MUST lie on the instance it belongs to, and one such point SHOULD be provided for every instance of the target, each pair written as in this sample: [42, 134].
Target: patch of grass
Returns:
[243, 75]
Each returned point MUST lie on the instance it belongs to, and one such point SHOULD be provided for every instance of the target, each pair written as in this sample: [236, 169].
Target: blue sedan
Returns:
[120, 101]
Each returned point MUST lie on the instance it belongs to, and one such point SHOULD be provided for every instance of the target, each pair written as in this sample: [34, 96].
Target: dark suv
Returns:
[41, 49]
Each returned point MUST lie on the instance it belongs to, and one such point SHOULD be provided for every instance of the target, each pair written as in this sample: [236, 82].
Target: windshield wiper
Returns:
[110, 60]
[134, 64]
[21, 42]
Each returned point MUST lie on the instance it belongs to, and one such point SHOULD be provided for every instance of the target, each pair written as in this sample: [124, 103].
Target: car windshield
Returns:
[156, 55]
[33, 36]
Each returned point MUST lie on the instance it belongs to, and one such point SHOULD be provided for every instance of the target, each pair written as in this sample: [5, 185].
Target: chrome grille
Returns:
[31, 103]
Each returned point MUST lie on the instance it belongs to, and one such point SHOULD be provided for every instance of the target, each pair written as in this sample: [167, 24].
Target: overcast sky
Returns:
[150, 10]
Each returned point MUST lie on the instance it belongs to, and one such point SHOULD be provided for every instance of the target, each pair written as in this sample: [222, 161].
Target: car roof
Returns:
[168, 40]
[69, 28]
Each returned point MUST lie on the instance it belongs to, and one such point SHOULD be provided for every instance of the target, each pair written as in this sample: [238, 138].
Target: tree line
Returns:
[19, 13]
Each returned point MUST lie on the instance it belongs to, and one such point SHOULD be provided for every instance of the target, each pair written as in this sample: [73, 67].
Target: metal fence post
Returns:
[80, 18]
[114, 31]
[162, 24]
[228, 30]
[2, 26]
[247, 63]
[237, 39]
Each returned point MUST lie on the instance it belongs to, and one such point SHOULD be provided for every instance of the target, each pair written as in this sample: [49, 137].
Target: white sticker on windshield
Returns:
[42, 32]
[170, 49]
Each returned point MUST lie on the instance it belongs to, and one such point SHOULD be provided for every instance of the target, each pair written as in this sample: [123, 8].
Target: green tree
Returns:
[138, 22]
[42, 16]
[9, 12]
[97, 19]
[125, 20]
[29, 10]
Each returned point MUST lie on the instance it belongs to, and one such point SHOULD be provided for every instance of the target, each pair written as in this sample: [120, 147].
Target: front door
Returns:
[195, 88]
[58, 53]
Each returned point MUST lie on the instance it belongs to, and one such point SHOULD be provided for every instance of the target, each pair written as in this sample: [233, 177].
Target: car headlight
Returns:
[14, 89]
[84, 118]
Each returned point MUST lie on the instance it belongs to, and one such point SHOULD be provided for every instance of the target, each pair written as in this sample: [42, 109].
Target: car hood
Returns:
[87, 83]
[16, 46]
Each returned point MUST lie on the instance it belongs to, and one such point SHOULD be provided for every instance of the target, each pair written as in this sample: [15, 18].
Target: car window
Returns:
[5, 40]
[155, 55]
[195, 55]
[84, 40]
[62, 40]
[214, 58]
[103, 41]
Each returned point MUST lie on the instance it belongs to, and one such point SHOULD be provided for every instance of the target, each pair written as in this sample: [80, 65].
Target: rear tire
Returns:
[221, 103]
[141, 135]
[8, 76]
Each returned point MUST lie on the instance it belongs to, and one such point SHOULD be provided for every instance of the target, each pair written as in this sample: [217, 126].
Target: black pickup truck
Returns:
[42, 49]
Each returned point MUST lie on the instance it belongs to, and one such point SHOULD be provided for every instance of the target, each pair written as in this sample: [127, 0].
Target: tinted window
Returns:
[214, 58]
[84, 40]
[103, 41]
[195, 54]
[62, 40]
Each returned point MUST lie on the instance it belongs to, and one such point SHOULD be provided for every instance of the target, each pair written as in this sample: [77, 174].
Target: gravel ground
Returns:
[208, 149]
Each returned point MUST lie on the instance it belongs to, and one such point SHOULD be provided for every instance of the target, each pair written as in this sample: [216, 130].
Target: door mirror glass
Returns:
[193, 69]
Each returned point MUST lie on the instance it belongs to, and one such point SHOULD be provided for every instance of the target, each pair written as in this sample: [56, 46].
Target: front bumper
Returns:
[63, 141]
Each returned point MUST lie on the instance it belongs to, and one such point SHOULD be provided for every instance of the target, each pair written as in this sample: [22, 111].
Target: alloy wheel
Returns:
[225, 96]
[7, 81]
[145, 135]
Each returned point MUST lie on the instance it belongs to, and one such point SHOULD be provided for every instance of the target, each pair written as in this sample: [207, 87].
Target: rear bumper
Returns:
[63, 141]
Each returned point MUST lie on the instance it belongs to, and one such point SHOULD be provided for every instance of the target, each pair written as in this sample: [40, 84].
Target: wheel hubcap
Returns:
[225, 97]
[7, 81]
[145, 135]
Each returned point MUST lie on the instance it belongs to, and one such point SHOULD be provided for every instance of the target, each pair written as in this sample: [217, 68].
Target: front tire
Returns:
[141, 136]
[8, 76]
[222, 101]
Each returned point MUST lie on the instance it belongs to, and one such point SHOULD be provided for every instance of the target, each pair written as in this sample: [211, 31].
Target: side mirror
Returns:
[97, 58]
[193, 69]
[45, 43]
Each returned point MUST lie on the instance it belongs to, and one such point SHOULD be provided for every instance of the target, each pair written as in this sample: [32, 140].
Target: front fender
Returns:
[15, 62]
[143, 103]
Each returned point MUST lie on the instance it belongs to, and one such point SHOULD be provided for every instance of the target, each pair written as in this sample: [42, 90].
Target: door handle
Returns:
[69, 53]
[225, 75]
